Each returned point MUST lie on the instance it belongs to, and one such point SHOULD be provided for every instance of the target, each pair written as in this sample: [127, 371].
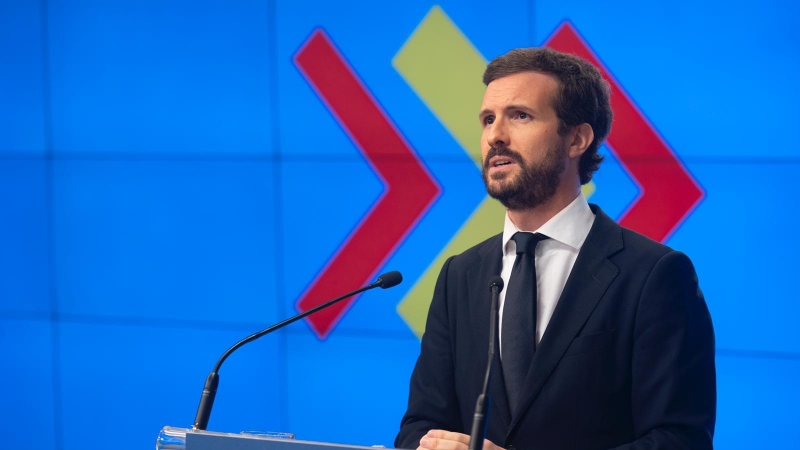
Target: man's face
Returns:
[524, 157]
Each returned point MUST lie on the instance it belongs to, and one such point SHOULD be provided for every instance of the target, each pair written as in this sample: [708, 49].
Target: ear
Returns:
[581, 138]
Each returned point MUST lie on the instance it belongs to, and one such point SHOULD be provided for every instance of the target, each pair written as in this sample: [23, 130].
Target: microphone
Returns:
[385, 281]
[389, 279]
[482, 405]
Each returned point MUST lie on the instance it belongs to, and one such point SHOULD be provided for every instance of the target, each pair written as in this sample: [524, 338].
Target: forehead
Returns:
[534, 89]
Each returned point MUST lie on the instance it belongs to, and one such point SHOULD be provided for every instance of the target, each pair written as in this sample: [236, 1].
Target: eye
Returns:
[523, 115]
[488, 120]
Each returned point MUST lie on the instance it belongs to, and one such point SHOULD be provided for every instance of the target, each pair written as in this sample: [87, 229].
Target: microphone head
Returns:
[389, 279]
[496, 281]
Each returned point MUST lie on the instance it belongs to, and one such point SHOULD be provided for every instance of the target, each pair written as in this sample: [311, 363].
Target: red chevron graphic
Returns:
[668, 193]
[409, 188]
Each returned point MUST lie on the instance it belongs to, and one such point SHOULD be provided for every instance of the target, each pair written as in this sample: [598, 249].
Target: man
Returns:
[605, 340]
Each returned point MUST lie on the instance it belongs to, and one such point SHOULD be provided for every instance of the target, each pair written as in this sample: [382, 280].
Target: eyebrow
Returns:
[509, 108]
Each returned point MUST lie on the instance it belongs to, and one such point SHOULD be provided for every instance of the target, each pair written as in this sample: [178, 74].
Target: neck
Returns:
[533, 218]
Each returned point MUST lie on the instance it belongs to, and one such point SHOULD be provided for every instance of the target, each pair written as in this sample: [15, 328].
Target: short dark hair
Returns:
[583, 95]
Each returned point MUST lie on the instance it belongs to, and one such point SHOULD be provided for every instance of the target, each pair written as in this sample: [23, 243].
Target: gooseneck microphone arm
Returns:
[482, 405]
[385, 281]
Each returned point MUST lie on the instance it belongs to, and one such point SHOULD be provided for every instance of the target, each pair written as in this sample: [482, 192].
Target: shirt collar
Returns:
[570, 226]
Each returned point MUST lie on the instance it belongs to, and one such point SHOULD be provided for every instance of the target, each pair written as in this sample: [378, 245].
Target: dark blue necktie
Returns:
[519, 317]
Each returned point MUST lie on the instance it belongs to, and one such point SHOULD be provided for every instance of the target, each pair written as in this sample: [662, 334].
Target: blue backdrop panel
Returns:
[368, 35]
[120, 382]
[21, 78]
[758, 400]
[322, 200]
[149, 76]
[349, 190]
[714, 77]
[183, 240]
[741, 240]
[27, 417]
[349, 389]
[24, 257]
[348, 27]
[377, 311]
[615, 191]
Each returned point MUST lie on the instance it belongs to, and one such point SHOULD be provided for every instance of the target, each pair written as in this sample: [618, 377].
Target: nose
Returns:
[497, 134]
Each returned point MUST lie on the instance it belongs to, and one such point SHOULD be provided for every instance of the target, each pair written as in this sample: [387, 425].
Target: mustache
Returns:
[502, 151]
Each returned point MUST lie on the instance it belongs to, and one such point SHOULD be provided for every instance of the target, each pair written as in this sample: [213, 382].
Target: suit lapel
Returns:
[590, 277]
[480, 300]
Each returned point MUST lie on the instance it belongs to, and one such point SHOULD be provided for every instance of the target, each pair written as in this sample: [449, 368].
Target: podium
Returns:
[188, 439]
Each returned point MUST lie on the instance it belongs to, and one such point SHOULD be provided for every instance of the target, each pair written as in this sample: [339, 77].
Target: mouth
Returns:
[500, 162]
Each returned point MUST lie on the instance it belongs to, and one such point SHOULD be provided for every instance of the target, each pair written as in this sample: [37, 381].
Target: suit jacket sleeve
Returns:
[432, 401]
[673, 370]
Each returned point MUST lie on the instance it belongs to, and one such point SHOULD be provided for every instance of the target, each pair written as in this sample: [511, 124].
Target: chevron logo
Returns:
[444, 69]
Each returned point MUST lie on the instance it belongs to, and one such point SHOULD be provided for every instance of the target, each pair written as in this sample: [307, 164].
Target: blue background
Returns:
[169, 183]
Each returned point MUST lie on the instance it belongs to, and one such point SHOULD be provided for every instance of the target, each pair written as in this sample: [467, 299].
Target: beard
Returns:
[533, 185]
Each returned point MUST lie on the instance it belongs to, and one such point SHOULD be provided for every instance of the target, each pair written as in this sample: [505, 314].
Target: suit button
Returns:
[511, 447]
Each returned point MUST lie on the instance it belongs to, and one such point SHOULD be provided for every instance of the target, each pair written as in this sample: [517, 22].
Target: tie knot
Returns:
[526, 242]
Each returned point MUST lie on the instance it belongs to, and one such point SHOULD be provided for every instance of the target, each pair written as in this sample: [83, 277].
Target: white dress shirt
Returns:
[555, 257]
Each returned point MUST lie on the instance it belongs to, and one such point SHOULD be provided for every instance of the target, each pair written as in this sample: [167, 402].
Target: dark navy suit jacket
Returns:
[626, 361]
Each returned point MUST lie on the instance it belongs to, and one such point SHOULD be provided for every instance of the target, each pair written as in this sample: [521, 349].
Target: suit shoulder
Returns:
[644, 253]
[641, 243]
[621, 243]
